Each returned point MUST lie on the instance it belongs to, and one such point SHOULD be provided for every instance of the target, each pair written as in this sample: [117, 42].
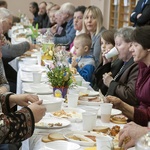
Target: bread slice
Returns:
[119, 119]
[45, 139]
[102, 129]
[56, 136]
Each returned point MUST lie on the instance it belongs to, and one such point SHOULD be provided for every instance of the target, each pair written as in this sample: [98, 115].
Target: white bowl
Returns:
[29, 61]
[51, 103]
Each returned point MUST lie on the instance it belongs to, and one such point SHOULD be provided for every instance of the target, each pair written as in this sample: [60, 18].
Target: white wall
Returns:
[104, 5]
[23, 5]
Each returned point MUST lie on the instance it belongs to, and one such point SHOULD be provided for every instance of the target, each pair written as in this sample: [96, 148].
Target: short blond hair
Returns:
[85, 39]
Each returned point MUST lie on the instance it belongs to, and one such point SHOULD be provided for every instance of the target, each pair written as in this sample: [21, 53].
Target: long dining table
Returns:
[24, 82]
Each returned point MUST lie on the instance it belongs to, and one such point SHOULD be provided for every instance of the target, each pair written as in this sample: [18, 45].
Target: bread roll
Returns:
[45, 139]
[56, 136]
[102, 129]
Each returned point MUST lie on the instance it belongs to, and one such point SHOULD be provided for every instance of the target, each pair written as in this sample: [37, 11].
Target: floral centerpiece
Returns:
[60, 78]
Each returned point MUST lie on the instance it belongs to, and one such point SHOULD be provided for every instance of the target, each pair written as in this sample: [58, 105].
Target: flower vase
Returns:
[60, 92]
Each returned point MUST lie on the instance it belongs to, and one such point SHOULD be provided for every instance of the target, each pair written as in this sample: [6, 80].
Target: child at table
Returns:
[84, 61]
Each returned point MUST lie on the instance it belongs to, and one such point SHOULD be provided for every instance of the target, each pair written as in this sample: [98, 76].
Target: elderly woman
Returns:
[122, 84]
[67, 11]
[93, 25]
[141, 53]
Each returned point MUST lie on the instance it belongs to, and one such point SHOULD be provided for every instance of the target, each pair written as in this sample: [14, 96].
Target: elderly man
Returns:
[9, 52]
[43, 17]
[67, 12]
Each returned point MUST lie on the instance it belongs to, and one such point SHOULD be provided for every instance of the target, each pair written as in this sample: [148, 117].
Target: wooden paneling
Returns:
[120, 13]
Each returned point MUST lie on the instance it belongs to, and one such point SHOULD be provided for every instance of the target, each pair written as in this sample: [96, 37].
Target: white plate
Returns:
[89, 103]
[38, 91]
[113, 112]
[73, 114]
[33, 68]
[44, 123]
[40, 88]
[61, 145]
[28, 77]
[83, 143]
[93, 93]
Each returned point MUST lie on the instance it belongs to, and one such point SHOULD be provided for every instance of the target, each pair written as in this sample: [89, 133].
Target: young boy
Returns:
[85, 63]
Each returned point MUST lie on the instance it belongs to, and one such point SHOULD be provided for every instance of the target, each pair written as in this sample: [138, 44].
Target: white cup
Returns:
[37, 77]
[104, 142]
[92, 110]
[106, 112]
[72, 100]
[89, 120]
[73, 91]
[113, 52]
[78, 80]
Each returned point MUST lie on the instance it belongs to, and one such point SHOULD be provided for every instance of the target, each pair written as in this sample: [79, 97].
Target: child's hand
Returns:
[74, 62]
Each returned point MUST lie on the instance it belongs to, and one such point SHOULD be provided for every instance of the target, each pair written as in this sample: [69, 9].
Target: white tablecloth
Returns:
[34, 143]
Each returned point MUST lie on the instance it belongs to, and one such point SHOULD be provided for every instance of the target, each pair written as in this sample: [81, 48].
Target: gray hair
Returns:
[68, 8]
[5, 14]
[125, 33]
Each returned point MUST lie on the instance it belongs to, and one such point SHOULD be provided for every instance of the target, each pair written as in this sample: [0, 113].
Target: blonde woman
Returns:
[93, 25]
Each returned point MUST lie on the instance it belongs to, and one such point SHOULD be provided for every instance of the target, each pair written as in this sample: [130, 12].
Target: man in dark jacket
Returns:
[43, 17]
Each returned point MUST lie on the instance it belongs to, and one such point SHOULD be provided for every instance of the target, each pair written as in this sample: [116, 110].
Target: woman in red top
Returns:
[141, 53]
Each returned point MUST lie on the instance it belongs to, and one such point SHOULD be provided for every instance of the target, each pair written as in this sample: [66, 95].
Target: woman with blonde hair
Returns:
[93, 25]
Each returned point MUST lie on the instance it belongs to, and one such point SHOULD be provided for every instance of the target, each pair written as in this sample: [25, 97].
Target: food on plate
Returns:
[109, 131]
[102, 129]
[45, 139]
[62, 114]
[116, 143]
[114, 130]
[48, 124]
[56, 136]
[82, 95]
[85, 138]
[119, 119]
[21, 35]
[67, 114]
[90, 99]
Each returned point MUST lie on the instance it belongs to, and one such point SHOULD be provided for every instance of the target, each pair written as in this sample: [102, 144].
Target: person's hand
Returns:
[107, 78]
[74, 62]
[117, 102]
[23, 99]
[130, 134]
[38, 110]
[32, 46]
[105, 60]
[138, 16]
